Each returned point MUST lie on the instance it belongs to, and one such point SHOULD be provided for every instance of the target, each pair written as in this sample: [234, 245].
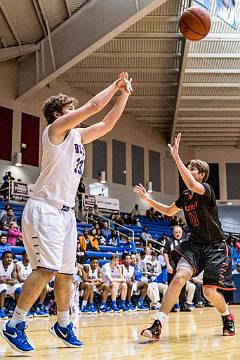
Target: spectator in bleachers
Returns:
[237, 270]
[4, 190]
[88, 242]
[13, 234]
[95, 277]
[154, 269]
[181, 222]
[96, 212]
[106, 232]
[113, 277]
[135, 212]
[8, 281]
[99, 237]
[129, 245]
[3, 244]
[145, 236]
[140, 271]
[126, 219]
[7, 218]
[132, 285]
[23, 271]
[115, 238]
[118, 220]
[151, 214]
[4, 212]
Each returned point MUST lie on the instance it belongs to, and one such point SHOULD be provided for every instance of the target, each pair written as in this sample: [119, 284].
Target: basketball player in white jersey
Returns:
[95, 278]
[49, 225]
[8, 281]
[113, 277]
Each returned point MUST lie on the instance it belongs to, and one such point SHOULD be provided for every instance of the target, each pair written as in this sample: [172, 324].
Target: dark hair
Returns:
[56, 103]
[3, 235]
[94, 258]
[143, 253]
[24, 252]
[7, 252]
[124, 255]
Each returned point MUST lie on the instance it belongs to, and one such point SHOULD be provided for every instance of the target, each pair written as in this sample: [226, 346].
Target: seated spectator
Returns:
[87, 288]
[154, 269]
[132, 285]
[96, 212]
[7, 218]
[8, 281]
[140, 270]
[100, 238]
[13, 234]
[4, 212]
[106, 232]
[115, 238]
[135, 212]
[126, 220]
[95, 277]
[113, 277]
[129, 246]
[3, 244]
[88, 242]
[145, 236]
[23, 271]
[151, 214]
[118, 220]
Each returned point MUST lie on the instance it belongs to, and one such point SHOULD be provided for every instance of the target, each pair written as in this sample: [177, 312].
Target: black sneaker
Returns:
[154, 331]
[228, 325]
[185, 308]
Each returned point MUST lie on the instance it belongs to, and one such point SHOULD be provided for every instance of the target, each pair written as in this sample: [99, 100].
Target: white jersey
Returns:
[61, 169]
[107, 270]
[6, 273]
[128, 273]
[25, 270]
[93, 274]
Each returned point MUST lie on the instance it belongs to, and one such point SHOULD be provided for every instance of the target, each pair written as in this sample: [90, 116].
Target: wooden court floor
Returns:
[188, 336]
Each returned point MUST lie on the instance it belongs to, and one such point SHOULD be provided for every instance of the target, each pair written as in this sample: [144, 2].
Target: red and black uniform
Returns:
[206, 248]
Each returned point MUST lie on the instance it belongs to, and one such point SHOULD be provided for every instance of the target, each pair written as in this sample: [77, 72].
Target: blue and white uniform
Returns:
[49, 224]
[7, 274]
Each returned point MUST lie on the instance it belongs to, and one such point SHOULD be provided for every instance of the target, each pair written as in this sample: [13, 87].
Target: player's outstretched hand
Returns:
[124, 84]
[174, 149]
[141, 191]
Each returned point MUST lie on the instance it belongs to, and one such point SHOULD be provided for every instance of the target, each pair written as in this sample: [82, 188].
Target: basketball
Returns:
[195, 23]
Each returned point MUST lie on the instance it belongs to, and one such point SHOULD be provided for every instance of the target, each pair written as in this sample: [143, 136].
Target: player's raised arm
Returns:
[187, 177]
[70, 118]
[96, 131]
[169, 210]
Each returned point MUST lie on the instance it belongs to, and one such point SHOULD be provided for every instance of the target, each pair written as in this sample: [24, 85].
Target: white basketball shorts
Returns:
[49, 236]
[10, 289]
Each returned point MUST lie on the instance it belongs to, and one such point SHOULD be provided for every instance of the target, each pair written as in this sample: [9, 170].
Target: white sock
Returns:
[161, 317]
[226, 313]
[18, 316]
[63, 318]
[84, 303]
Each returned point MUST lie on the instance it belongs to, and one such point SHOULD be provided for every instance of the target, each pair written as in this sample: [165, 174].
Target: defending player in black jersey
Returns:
[206, 248]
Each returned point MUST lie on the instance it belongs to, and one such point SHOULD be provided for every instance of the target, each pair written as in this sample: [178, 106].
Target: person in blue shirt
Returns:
[129, 246]
[3, 244]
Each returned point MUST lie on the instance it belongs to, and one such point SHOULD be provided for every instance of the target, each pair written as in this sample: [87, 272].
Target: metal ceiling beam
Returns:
[212, 71]
[186, 49]
[220, 109]
[212, 143]
[78, 37]
[68, 7]
[209, 119]
[153, 118]
[149, 35]
[209, 85]
[89, 85]
[10, 23]
[209, 137]
[40, 17]
[16, 51]
[115, 70]
[148, 110]
[134, 55]
[213, 131]
[211, 97]
[214, 55]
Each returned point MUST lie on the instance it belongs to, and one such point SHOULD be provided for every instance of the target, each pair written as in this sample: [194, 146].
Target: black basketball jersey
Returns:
[201, 215]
